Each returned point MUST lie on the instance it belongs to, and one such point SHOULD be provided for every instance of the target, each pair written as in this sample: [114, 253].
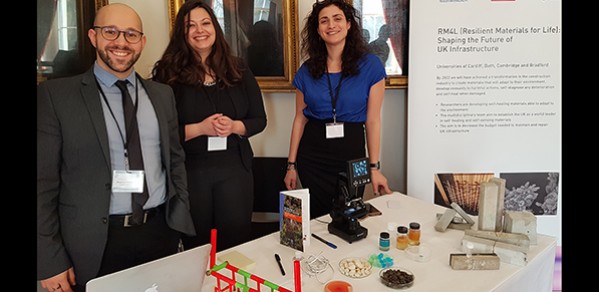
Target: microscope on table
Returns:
[348, 205]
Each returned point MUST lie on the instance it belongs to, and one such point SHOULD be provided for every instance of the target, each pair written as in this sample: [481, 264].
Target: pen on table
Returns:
[278, 258]
[323, 240]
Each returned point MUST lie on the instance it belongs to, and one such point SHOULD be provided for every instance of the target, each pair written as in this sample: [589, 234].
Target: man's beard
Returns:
[112, 64]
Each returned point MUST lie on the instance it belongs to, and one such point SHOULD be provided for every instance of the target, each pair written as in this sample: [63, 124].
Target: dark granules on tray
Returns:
[397, 277]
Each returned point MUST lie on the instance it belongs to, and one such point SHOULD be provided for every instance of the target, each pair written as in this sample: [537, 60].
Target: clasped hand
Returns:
[219, 125]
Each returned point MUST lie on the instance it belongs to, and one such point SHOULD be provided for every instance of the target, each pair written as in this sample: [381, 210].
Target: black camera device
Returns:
[348, 205]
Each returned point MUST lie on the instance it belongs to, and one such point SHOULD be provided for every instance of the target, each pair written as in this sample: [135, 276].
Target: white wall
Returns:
[280, 106]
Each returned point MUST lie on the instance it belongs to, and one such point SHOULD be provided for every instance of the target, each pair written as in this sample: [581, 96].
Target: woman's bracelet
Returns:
[291, 165]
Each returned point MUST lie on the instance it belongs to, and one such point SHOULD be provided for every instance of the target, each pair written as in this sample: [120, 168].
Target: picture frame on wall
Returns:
[385, 24]
[262, 32]
[63, 48]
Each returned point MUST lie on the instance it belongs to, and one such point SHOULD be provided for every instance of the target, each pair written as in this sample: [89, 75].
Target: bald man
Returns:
[84, 193]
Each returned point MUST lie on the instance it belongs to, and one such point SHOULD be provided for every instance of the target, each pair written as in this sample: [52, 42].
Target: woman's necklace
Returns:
[211, 76]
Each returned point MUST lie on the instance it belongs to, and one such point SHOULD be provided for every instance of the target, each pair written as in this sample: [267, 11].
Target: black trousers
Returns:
[320, 160]
[131, 246]
[221, 195]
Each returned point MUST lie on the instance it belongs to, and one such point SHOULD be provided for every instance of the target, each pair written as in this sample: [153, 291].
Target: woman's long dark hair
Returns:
[314, 47]
[180, 63]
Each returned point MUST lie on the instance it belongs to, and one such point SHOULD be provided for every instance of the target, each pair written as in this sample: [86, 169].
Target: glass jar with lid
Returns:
[414, 233]
[401, 241]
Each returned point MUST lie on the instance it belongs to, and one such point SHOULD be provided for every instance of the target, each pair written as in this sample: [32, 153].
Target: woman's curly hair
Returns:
[315, 49]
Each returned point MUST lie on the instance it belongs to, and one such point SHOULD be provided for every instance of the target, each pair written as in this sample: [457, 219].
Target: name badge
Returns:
[128, 181]
[217, 143]
[334, 130]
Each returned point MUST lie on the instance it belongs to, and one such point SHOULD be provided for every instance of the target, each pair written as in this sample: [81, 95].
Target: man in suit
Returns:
[83, 210]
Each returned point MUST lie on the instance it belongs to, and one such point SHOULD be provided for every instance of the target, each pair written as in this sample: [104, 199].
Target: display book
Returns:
[294, 218]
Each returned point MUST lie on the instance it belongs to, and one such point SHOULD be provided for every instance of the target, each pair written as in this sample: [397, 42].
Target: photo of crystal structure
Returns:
[534, 192]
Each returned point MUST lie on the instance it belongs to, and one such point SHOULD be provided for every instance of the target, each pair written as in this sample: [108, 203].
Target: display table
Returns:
[433, 275]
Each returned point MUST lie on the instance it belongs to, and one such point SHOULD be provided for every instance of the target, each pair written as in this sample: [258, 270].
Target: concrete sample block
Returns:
[457, 222]
[500, 202]
[511, 238]
[444, 221]
[484, 261]
[456, 219]
[488, 204]
[477, 245]
[521, 222]
[462, 213]
[509, 253]
[460, 226]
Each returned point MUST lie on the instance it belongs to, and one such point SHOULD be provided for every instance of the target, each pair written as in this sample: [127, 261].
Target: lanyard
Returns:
[128, 127]
[336, 96]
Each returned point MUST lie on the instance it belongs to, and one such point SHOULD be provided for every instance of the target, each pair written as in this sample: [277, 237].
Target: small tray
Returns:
[419, 253]
[355, 267]
[393, 281]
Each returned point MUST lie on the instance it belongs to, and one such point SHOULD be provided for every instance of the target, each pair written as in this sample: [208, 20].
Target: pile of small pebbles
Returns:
[396, 278]
[355, 267]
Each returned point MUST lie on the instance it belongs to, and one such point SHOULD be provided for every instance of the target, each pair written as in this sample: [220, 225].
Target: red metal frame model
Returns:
[230, 284]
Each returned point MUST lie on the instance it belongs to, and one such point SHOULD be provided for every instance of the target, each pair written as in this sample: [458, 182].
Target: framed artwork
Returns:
[63, 48]
[263, 32]
[385, 25]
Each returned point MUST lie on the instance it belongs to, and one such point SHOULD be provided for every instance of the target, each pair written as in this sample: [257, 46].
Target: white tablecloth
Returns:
[433, 275]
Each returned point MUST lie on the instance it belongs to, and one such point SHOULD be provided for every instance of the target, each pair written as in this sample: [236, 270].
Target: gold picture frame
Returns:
[396, 10]
[100, 3]
[54, 61]
[289, 32]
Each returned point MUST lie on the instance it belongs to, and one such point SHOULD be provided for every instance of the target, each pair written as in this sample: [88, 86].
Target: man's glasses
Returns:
[111, 33]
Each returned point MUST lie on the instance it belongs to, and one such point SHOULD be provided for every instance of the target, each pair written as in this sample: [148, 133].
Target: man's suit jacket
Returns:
[74, 173]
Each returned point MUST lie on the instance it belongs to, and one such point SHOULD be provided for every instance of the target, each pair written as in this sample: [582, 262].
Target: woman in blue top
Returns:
[339, 94]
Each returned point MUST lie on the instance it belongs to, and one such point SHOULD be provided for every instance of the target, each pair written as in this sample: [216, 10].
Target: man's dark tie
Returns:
[133, 151]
